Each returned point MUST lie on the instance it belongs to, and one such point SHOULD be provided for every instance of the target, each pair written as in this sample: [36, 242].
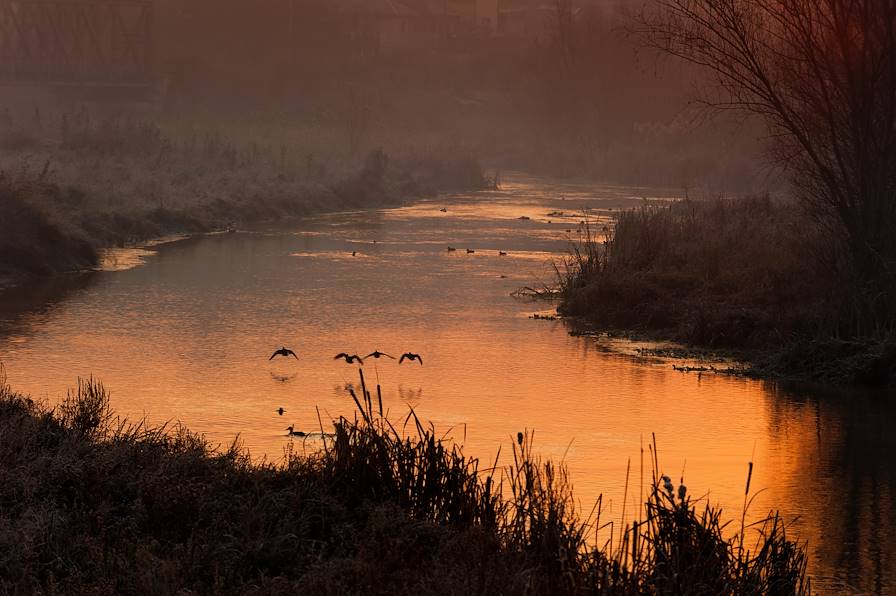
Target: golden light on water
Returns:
[184, 333]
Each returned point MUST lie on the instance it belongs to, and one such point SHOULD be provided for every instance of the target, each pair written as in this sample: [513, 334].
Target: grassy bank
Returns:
[92, 504]
[752, 277]
[71, 182]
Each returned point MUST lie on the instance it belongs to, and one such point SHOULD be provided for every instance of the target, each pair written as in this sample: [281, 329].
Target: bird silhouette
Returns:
[443, 210]
[284, 351]
[280, 411]
[411, 356]
[451, 249]
[294, 433]
[377, 354]
[501, 253]
[349, 358]
[470, 251]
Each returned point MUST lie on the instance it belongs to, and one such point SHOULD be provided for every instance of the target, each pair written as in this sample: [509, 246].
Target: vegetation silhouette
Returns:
[395, 507]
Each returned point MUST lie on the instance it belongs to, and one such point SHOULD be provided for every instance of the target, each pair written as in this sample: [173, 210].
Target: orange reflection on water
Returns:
[187, 335]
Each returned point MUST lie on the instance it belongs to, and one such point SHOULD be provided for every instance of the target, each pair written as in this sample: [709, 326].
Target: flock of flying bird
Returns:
[352, 358]
[349, 359]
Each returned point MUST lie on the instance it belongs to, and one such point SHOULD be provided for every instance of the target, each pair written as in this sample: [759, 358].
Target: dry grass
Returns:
[31, 240]
[89, 503]
[749, 274]
[113, 180]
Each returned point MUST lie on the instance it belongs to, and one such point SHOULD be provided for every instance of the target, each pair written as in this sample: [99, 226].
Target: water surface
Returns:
[182, 332]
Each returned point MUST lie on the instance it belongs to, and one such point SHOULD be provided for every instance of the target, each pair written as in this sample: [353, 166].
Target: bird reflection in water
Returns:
[283, 378]
[410, 395]
[343, 388]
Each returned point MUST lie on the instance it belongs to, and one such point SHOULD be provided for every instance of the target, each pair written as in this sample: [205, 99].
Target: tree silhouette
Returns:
[822, 75]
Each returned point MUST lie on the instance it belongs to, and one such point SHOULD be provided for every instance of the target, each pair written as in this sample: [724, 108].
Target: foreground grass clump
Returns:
[750, 274]
[91, 504]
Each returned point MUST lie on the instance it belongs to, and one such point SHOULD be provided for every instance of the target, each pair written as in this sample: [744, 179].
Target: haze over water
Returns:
[185, 336]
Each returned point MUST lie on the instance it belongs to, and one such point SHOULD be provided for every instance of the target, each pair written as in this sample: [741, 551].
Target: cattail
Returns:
[749, 476]
[667, 484]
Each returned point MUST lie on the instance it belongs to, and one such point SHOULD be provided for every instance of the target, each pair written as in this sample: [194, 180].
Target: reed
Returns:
[92, 503]
[749, 274]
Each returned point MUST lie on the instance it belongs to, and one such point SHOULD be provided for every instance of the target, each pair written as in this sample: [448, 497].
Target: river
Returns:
[182, 332]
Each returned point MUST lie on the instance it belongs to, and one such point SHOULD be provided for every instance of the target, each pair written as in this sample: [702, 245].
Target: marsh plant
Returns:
[750, 274]
[91, 503]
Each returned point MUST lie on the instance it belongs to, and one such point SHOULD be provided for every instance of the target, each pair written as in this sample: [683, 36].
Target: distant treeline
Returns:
[565, 93]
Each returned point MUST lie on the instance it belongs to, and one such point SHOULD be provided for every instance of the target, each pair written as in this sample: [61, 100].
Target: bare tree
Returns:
[822, 74]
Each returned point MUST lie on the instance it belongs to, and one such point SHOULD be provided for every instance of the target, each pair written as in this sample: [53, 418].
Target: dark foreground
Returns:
[91, 504]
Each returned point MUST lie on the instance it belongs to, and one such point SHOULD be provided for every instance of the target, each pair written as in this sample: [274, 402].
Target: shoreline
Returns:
[71, 242]
[85, 497]
[859, 365]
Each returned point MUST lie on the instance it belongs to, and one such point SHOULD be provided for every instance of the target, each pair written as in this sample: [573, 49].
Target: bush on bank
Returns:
[748, 274]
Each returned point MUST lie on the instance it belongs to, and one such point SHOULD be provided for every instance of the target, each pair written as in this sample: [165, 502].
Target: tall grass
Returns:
[750, 273]
[90, 503]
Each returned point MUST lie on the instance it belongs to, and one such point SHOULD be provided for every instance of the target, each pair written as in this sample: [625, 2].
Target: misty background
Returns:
[554, 87]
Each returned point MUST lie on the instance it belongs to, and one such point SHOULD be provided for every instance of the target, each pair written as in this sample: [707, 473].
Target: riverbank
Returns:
[91, 504]
[744, 279]
[72, 182]
[49, 228]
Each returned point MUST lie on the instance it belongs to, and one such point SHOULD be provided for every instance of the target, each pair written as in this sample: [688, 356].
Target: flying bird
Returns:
[280, 411]
[349, 358]
[411, 356]
[501, 253]
[470, 251]
[294, 433]
[284, 351]
[443, 210]
[377, 354]
[451, 249]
